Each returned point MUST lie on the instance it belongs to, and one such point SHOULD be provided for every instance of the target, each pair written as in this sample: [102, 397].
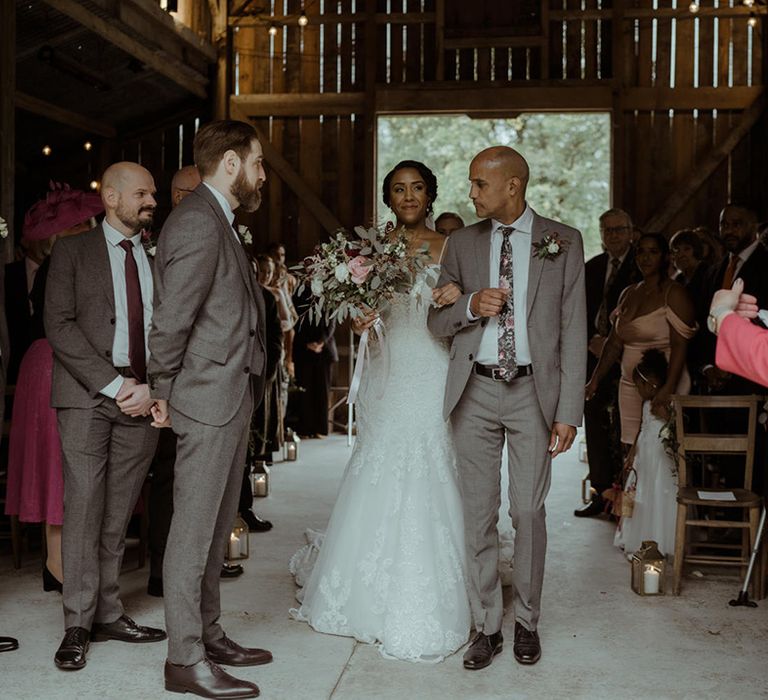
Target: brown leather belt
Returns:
[494, 372]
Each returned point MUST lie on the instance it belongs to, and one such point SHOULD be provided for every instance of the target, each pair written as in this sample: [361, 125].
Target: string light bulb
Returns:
[47, 150]
[303, 19]
[87, 145]
[94, 185]
[693, 8]
[272, 29]
[752, 21]
[749, 3]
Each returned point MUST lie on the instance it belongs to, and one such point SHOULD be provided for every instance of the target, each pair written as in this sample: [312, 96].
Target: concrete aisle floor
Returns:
[599, 639]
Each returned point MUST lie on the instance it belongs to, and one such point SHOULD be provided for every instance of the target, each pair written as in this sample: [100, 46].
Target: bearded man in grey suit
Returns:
[206, 375]
[517, 359]
[98, 308]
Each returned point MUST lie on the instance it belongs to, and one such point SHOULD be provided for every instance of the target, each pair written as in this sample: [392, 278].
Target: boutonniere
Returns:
[549, 247]
[245, 235]
[148, 243]
[3, 228]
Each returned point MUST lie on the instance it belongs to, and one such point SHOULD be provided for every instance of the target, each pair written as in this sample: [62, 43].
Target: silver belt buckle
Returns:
[497, 374]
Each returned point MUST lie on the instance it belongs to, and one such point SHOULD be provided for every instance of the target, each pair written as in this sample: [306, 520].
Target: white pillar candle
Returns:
[234, 546]
[651, 580]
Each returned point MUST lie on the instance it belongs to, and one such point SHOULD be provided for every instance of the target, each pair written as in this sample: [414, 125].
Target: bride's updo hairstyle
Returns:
[426, 174]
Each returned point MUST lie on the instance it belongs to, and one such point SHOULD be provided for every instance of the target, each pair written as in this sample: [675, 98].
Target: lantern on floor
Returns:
[237, 547]
[291, 446]
[260, 479]
[648, 569]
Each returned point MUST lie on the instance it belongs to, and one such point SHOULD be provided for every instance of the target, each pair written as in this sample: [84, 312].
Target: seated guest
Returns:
[35, 480]
[653, 516]
[448, 222]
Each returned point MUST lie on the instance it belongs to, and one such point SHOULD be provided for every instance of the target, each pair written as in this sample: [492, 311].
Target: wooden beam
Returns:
[440, 40]
[647, 99]
[703, 170]
[513, 42]
[57, 40]
[618, 118]
[63, 116]
[302, 104]
[369, 113]
[264, 19]
[679, 13]
[155, 59]
[7, 130]
[290, 177]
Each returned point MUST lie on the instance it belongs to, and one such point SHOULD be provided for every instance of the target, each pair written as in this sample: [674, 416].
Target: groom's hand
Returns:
[561, 438]
[488, 302]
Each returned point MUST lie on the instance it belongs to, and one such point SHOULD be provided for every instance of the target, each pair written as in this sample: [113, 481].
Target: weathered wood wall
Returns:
[677, 85]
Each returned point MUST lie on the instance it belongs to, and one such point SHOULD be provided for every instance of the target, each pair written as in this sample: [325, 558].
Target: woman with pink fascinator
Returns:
[35, 480]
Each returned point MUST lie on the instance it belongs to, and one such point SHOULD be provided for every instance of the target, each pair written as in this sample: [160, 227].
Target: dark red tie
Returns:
[136, 354]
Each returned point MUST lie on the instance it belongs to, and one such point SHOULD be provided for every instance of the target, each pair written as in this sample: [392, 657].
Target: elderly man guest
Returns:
[98, 310]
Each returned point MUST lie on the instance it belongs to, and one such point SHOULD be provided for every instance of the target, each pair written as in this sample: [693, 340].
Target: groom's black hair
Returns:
[429, 180]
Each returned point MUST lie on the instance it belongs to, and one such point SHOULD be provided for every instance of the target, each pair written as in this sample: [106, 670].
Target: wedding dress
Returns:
[390, 569]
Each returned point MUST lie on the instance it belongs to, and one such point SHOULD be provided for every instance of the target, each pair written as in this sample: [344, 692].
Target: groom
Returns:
[516, 372]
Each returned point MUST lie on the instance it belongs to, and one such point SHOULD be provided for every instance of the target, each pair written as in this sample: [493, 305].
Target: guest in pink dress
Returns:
[35, 480]
[654, 313]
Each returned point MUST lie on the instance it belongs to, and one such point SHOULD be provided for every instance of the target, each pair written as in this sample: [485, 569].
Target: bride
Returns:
[391, 569]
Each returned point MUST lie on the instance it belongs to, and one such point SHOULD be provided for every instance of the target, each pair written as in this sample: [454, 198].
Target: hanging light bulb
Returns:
[303, 19]
[693, 8]
[749, 3]
[272, 29]
[94, 184]
[47, 150]
[752, 21]
[87, 145]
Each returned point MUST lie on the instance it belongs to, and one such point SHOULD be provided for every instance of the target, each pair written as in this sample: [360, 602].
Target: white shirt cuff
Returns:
[470, 315]
[113, 387]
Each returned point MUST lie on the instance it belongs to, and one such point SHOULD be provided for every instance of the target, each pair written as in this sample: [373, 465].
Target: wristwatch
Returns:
[715, 316]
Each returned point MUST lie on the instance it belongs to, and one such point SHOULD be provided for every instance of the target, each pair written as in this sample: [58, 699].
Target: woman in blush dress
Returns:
[391, 568]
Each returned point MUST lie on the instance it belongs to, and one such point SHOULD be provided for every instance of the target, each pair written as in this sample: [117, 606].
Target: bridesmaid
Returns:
[35, 477]
[654, 313]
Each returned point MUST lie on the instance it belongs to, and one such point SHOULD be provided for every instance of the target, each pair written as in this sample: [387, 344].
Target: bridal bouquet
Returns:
[358, 271]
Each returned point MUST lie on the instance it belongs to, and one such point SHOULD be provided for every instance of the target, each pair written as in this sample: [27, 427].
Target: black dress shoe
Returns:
[125, 630]
[482, 650]
[50, 582]
[527, 646]
[228, 653]
[595, 507]
[254, 522]
[155, 586]
[70, 655]
[208, 680]
[231, 570]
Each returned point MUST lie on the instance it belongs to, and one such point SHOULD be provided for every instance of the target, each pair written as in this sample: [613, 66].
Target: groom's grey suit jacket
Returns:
[556, 316]
[208, 320]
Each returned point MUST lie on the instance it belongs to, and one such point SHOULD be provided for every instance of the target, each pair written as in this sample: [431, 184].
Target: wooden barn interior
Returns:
[85, 83]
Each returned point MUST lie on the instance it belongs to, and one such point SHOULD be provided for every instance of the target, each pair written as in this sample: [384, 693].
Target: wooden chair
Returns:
[689, 500]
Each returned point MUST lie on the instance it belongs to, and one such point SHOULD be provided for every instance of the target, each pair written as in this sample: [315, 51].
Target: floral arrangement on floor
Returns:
[358, 271]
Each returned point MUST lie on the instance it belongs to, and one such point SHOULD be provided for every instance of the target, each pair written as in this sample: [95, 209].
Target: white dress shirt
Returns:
[488, 352]
[117, 266]
[226, 207]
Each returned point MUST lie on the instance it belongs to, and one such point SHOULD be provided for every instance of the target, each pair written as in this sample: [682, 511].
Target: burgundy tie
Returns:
[136, 353]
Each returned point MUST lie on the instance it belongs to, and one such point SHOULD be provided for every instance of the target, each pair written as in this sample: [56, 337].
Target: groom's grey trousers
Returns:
[487, 411]
[208, 475]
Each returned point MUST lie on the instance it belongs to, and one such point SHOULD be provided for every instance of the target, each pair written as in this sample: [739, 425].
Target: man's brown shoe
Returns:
[207, 680]
[125, 630]
[482, 650]
[70, 655]
[228, 653]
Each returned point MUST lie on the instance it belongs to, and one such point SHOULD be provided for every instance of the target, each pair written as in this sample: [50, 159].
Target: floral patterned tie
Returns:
[507, 360]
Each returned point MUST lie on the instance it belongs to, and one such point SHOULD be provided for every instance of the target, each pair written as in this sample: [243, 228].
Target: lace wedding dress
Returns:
[390, 568]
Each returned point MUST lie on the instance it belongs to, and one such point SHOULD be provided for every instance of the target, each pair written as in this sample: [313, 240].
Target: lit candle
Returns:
[234, 546]
[651, 580]
[243, 545]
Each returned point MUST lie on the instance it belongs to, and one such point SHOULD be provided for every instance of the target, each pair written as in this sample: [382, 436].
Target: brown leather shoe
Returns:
[527, 646]
[125, 630]
[482, 650]
[225, 651]
[70, 655]
[207, 680]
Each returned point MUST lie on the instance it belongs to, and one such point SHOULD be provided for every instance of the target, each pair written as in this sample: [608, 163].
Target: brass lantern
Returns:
[291, 446]
[260, 479]
[237, 547]
[648, 569]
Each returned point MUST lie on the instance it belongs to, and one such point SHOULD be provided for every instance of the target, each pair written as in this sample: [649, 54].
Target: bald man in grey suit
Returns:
[517, 359]
[206, 374]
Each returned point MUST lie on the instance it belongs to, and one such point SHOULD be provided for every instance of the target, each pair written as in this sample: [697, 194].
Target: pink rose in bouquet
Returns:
[359, 268]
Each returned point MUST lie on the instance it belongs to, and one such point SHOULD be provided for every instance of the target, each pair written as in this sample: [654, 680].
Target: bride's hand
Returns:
[363, 323]
[446, 295]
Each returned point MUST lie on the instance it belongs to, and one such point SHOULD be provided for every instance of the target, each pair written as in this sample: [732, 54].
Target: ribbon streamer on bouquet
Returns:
[362, 353]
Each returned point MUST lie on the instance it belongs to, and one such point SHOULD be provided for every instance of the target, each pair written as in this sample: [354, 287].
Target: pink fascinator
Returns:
[62, 207]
